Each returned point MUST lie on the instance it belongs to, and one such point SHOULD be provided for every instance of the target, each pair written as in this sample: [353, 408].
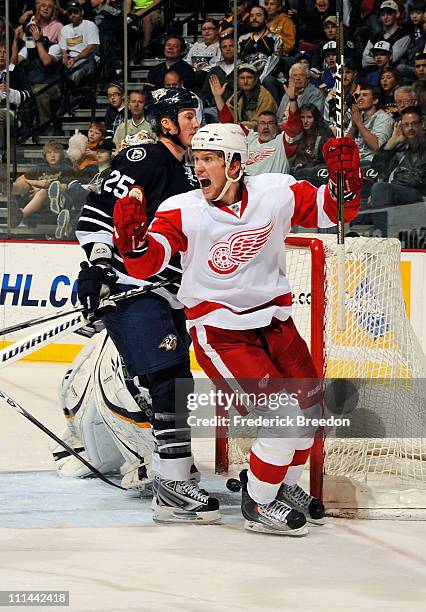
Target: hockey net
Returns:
[380, 470]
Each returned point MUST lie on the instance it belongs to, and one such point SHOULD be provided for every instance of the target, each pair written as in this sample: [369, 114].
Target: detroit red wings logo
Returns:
[258, 156]
[240, 248]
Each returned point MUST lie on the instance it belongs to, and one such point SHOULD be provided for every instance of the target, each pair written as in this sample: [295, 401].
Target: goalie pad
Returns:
[127, 419]
[85, 432]
[104, 421]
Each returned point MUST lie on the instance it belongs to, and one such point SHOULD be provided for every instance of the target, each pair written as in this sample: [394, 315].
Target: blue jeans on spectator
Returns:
[85, 68]
[390, 194]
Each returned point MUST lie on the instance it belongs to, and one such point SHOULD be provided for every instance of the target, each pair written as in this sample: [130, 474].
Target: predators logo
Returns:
[169, 343]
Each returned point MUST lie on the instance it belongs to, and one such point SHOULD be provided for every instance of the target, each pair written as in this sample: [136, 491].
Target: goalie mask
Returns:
[229, 139]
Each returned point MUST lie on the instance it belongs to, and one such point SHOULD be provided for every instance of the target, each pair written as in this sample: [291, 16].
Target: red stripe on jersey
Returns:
[206, 307]
[300, 457]
[305, 205]
[267, 472]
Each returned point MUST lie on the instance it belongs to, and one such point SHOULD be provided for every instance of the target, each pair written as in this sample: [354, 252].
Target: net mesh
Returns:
[380, 353]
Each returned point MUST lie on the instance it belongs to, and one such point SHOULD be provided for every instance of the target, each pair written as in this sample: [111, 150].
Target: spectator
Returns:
[370, 126]
[330, 30]
[401, 163]
[393, 33]
[266, 148]
[19, 92]
[388, 83]
[206, 53]
[226, 25]
[67, 200]
[154, 19]
[260, 43]
[416, 20]
[416, 29]
[114, 113]
[82, 150]
[305, 92]
[35, 184]
[253, 99]
[172, 79]
[381, 54]
[137, 121]
[79, 42]
[224, 71]
[174, 50]
[351, 91]
[311, 20]
[41, 61]
[45, 18]
[280, 24]
[405, 96]
[328, 78]
[109, 21]
[308, 143]
[420, 84]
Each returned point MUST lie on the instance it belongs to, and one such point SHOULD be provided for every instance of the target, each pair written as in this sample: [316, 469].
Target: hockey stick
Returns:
[42, 337]
[73, 311]
[341, 323]
[8, 400]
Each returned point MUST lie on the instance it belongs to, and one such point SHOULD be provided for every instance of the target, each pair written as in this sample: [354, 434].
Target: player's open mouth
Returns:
[205, 183]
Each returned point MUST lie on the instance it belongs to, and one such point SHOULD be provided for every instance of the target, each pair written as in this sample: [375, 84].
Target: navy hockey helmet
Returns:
[168, 102]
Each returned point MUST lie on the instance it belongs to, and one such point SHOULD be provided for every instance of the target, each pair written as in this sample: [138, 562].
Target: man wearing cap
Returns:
[393, 33]
[253, 98]
[382, 54]
[79, 42]
[328, 78]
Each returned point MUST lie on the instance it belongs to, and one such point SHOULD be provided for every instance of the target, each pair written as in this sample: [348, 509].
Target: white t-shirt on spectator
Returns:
[265, 157]
[75, 39]
[54, 51]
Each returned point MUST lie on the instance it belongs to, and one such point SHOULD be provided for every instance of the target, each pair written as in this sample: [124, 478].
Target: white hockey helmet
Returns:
[226, 137]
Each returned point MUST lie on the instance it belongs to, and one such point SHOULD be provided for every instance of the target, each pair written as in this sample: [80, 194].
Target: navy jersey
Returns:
[154, 168]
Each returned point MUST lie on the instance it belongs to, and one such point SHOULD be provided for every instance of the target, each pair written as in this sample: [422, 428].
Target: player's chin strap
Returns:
[229, 182]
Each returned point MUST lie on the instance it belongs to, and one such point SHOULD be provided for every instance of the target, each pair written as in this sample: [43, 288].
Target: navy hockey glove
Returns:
[94, 286]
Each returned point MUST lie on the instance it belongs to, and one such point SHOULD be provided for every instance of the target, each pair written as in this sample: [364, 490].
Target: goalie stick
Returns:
[74, 311]
[11, 402]
[341, 324]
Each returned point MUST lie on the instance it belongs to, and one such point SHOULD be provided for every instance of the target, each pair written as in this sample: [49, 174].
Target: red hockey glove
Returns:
[342, 155]
[130, 220]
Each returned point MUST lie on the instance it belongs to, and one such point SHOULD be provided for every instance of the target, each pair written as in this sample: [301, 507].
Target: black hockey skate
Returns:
[298, 499]
[182, 501]
[276, 517]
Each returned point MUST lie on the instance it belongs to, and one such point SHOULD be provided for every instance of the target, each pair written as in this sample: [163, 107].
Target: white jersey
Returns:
[232, 277]
[266, 156]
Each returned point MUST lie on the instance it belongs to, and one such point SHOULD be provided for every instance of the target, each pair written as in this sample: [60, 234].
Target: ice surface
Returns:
[101, 545]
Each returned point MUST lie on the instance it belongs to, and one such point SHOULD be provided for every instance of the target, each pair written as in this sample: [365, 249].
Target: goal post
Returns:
[380, 470]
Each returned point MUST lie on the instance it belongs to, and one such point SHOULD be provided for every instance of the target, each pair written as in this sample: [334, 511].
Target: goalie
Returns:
[237, 299]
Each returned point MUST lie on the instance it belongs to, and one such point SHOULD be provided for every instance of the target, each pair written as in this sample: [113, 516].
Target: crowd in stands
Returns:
[286, 87]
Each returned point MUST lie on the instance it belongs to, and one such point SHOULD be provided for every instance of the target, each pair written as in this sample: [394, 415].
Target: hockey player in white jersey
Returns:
[237, 297]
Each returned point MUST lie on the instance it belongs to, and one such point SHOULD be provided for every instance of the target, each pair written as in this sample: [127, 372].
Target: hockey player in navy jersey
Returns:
[149, 331]
[238, 300]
